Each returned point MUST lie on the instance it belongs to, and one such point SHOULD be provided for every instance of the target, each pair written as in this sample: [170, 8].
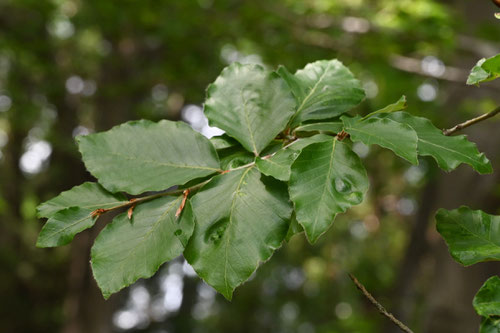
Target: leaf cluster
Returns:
[285, 164]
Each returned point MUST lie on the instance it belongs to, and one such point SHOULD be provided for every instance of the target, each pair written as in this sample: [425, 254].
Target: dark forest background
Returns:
[70, 67]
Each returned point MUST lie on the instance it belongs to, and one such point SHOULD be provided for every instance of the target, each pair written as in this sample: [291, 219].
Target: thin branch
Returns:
[472, 121]
[379, 307]
[135, 201]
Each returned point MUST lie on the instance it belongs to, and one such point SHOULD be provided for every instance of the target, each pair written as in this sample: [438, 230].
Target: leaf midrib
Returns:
[68, 226]
[180, 166]
[474, 234]
[247, 122]
[145, 236]
[233, 204]
[311, 92]
[327, 182]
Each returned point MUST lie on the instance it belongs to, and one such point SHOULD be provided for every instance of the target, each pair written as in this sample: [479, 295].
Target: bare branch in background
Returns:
[471, 122]
[379, 306]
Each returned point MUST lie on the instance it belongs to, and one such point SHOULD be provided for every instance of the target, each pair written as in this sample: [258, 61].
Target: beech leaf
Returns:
[141, 156]
[128, 250]
[327, 178]
[242, 218]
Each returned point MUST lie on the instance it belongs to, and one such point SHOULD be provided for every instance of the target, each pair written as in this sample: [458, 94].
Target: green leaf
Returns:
[278, 165]
[387, 133]
[327, 178]
[87, 195]
[295, 228]
[242, 217]
[222, 142]
[487, 300]
[400, 105]
[323, 89]
[71, 212]
[328, 127]
[127, 250]
[472, 235]
[485, 70]
[62, 227]
[234, 157]
[490, 325]
[141, 156]
[250, 104]
[448, 151]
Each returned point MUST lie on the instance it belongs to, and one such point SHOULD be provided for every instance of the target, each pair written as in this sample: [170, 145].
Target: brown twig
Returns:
[471, 122]
[379, 306]
[136, 201]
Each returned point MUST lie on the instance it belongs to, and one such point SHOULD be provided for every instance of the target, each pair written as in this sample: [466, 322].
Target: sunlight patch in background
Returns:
[5, 103]
[229, 54]
[427, 92]
[35, 157]
[143, 307]
[194, 116]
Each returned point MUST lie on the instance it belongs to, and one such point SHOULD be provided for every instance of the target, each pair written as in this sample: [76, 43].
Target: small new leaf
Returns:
[400, 105]
[485, 70]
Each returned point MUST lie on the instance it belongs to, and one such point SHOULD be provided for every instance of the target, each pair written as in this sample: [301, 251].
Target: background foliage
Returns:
[72, 67]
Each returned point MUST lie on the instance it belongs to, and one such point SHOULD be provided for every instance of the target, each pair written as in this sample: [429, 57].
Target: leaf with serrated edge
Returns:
[141, 156]
[487, 300]
[242, 217]
[87, 196]
[127, 250]
[387, 133]
[71, 212]
[472, 235]
[448, 151]
[250, 104]
[278, 165]
[327, 178]
[323, 89]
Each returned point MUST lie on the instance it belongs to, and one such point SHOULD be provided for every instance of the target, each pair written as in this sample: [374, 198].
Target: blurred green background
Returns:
[70, 67]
